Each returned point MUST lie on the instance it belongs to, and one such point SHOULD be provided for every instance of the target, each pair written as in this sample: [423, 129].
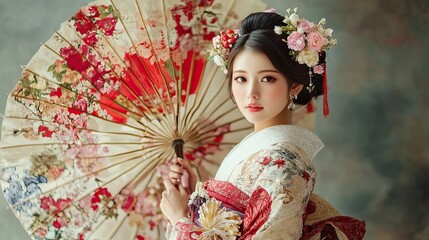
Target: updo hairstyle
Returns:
[257, 33]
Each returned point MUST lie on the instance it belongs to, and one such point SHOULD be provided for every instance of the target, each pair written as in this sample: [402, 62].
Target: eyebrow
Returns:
[262, 71]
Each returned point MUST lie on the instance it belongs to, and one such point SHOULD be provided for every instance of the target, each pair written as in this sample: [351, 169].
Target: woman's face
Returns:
[260, 91]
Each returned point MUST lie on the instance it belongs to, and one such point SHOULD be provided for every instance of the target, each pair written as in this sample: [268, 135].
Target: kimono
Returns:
[263, 190]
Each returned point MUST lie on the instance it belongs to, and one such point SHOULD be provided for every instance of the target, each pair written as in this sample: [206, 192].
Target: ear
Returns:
[296, 89]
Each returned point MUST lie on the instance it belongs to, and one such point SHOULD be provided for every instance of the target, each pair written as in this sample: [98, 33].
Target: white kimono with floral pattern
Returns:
[266, 180]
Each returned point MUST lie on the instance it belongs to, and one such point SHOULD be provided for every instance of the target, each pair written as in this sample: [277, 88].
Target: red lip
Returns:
[253, 107]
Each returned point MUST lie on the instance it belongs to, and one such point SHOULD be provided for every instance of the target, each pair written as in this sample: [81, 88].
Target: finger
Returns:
[185, 179]
[175, 182]
[174, 161]
[180, 160]
[185, 163]
[173, 175]
[183, 191]
[169, 185]
[177, 168]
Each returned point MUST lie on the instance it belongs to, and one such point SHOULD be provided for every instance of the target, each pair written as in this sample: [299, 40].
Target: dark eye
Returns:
[240, 79]
[268, 79]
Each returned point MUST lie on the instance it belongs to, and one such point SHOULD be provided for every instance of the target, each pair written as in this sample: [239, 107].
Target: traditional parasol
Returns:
[101, 107]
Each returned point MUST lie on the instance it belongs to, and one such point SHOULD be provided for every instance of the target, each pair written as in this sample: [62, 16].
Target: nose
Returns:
[253, 91]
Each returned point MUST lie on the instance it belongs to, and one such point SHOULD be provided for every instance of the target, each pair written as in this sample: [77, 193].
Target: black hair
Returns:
[257, 33]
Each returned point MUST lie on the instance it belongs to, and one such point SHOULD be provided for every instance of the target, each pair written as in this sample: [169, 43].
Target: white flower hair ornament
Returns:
[306, 42]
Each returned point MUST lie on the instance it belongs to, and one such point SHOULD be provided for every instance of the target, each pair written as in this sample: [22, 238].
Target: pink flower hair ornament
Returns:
[306, 42]
[271, 10]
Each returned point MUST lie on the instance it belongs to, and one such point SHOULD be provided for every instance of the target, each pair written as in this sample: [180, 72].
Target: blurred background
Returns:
[376, 161]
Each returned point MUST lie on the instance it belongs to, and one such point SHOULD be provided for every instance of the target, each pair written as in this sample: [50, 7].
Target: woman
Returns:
[263, 188]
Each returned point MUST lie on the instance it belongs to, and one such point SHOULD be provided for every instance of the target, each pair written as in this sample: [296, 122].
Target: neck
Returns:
[283, 118]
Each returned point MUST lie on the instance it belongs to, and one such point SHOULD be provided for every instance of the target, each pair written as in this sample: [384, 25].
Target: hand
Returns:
[181, 173]
[174, 202]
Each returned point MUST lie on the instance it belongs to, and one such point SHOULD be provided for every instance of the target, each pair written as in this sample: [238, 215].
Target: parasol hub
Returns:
[177, 144]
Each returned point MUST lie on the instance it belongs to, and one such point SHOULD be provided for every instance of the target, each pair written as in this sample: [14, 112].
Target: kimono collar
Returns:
[304, 139]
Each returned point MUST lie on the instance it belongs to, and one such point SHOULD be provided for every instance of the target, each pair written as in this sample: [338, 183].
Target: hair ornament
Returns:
[306, 42]
[222, 45]
[271, 10]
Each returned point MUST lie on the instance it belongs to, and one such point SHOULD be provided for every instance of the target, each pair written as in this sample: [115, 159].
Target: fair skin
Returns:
[174, 202]
[257, 83]
[262, 95]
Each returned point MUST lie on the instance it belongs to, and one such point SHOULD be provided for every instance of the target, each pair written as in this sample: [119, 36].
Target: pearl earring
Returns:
[291, 105]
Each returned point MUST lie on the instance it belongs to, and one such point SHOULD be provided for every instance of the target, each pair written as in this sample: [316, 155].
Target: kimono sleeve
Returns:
[279, 196]
[184, 229]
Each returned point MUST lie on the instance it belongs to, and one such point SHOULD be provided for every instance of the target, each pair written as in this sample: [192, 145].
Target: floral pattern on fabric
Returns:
[111, 85]
[217, 222]
[213, 220]
[278, 184]
[271, 189]
[288, 177]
